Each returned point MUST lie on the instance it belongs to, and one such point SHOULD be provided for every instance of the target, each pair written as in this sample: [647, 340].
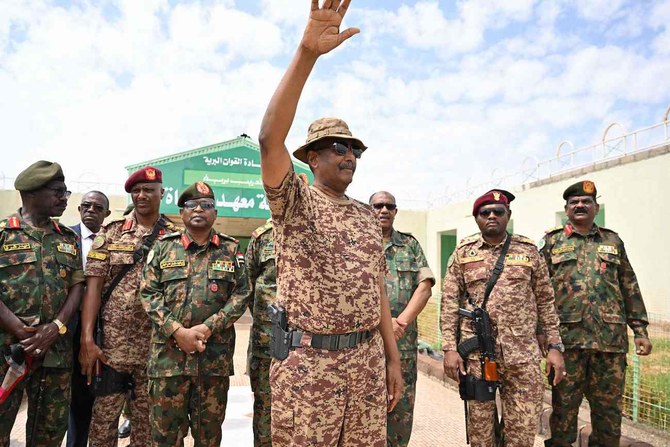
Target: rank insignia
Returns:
[14, 223]
[96, 255]
[496, 196]
[15, 247]
[121, 247]
[172, 264]
[588, 187]
[67, 248]
[223, 266]
[150, 173]
[608, 249]
[562, 249]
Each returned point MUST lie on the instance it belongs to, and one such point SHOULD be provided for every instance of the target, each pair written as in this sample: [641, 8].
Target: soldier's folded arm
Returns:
[417, 302]
[543, 291]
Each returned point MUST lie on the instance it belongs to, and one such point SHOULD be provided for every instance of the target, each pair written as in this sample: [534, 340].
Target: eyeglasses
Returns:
[96, 207]
[341, 148]
[498, 212]
[192, 204]
[60, 193]
[388, 206]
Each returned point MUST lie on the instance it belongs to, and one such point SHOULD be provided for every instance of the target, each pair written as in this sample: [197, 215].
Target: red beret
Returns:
[147, 174]
[493, 196]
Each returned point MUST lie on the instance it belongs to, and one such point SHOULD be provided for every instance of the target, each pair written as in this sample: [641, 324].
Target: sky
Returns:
[444, 93]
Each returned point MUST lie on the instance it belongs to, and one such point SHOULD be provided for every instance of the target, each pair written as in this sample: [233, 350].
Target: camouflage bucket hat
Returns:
[326, 128]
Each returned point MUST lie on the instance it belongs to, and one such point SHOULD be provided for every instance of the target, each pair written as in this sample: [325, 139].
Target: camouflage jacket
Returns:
[407, 268]
[596, 289]
[262, 273]
[126, 327]
[184, 285]
[521, 297]
[37, 269]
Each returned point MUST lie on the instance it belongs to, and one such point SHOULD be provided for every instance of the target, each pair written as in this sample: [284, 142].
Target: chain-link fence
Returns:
[647, 395]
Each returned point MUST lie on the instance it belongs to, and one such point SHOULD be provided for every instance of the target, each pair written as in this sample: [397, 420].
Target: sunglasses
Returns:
[192, 204]
[341, 148]
[498, 212]
[60, 193]
[388, 206]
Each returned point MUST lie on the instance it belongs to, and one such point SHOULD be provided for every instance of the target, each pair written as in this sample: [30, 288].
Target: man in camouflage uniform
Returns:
[126, 327]
[597, 294]
[187, 289]
[262, 274]
[408, 287]
[41, 282]
[521, 298]
[328, 389]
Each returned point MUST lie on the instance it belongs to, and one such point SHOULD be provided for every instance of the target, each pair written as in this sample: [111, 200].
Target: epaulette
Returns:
[555, 229]
[113, 221]
[66, 229]
[469, 240]
[523, 239]
[262, 229]
[230, 238]
[607, 229]
[169, 235]
[408, 235]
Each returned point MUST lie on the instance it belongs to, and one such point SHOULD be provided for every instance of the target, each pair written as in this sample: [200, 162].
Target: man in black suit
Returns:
[94, 208]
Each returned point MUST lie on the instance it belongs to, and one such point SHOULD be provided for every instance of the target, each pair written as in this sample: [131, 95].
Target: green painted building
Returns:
[233, 170]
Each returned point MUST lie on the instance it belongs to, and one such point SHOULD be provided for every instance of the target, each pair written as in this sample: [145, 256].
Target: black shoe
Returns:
[124, 429]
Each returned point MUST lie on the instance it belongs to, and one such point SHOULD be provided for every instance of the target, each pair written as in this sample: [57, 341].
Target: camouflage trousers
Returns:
[330, 398]
[600, 377]
[107, 409]
[399, 421]
[182, 402]
[52, 412]
[521, 397]
[259, 373]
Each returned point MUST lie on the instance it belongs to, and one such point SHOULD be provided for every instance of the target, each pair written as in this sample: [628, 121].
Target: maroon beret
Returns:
[493, 196]
[148, 174]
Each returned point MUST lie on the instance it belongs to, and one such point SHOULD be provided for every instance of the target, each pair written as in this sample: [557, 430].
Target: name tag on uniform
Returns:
[173, 264]
[121, 247]
[518, 260]
[96, 255]
[608, 249]
[16, 247]
[67, 248]
[223, 266]
[562, 249]
[469, 259]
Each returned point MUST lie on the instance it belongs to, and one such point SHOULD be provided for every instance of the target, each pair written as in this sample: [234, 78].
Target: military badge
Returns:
[588, 187]
[214, 287]
[608, 249]
[172, 264]
[121, 247]
[150, 173]
[562, 249]
[16, 247]
[98, 242]
[67, 248]
[472, 253]
[202, 188]
[223, 266]
[541, 243]
[96, 255]
[14, 223]
[62, 273]
[518, 260]
[496, 196]
[150, 256]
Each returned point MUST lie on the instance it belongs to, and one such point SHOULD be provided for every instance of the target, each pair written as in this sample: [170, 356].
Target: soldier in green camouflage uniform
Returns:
[597, 294]
[408, 285]
[262, 273]
[40, 288]
[187, 288]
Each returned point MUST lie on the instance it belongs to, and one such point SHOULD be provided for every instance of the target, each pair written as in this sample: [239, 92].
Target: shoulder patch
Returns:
[541, 243]
[68, 230]
[98, 242]
[554, 230]
[469, 240]
[262, 229]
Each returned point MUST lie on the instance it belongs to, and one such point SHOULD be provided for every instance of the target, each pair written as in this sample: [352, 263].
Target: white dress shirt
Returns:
[87, 237]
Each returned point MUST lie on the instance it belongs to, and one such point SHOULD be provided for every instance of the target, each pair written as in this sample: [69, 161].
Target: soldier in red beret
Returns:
[521, 297]
[113, 273]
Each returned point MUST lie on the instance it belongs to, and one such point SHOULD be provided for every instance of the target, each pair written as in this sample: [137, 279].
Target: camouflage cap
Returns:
[326, 128]
[37, 175]
[582, 188]
[198, 190]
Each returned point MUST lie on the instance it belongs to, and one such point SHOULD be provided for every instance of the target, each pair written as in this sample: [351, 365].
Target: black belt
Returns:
[333, 342]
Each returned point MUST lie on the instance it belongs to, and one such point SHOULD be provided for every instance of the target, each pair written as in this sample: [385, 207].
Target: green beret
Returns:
[583, 188]
[37, 175]
[198, 190]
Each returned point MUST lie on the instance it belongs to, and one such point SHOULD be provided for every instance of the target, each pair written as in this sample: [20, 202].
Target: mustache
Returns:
[581, 209]
[347, 165]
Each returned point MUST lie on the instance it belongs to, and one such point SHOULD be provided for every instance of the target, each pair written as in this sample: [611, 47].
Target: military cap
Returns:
[493, 196]
[198, 190]
[37, 175]
[326, 128]
[583, 188]
[148, 174]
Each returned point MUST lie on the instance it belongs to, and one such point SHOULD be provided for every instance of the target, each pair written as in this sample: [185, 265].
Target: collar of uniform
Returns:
[16, 222]
[569, 230]
[396, 239]
[130, 222]
[481, 242]
[186, 240]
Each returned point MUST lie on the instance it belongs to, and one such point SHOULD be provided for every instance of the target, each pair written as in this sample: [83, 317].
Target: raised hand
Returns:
[322, 32]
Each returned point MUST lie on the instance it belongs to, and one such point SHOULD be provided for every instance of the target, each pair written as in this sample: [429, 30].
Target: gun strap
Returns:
[497, 270]
[138, 254]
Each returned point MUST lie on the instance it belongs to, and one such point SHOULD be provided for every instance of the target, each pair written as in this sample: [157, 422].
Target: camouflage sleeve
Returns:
[235, 306]
[285, 200]
[636, 313]
[544, 298]
[425, 273]
[453, 287]
[545, 249]
[152, 294]
[97, 260]
[252, 264]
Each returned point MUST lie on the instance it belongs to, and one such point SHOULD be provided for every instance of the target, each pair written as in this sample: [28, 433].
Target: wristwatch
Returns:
[557, 346]
[62, 329]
